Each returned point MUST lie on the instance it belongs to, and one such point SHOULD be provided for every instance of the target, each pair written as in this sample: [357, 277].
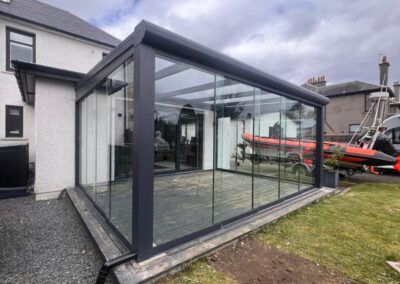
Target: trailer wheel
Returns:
[302, 170]
[255, 160]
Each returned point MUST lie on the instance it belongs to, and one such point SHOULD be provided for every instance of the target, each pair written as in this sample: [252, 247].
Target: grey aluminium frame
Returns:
[143, 43]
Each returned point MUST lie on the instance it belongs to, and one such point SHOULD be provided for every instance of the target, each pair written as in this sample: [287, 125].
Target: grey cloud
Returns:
[294, 39]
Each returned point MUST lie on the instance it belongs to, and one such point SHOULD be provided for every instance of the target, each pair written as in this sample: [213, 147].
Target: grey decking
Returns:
[185, 203]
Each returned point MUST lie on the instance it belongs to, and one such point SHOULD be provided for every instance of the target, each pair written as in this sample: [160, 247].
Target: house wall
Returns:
[342, 111]
[55, 137]
[52, 49]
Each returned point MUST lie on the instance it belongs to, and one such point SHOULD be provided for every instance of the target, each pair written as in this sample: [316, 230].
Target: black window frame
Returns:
[8, 123]
[10, 30]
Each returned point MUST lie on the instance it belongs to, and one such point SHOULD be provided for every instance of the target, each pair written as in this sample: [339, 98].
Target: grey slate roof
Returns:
[42, 14]
[352, 87]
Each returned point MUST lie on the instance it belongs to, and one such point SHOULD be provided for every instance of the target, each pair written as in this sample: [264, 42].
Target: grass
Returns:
[353, 233]
[199, 273]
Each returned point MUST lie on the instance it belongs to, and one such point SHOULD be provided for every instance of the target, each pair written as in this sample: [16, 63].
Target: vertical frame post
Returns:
[319, 159]
[77, 142]
[143, 151]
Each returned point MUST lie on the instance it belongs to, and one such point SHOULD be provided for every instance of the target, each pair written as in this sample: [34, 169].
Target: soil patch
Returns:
[252, 262]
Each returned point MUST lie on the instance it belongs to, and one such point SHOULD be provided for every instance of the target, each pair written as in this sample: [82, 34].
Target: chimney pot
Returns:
[318, 81]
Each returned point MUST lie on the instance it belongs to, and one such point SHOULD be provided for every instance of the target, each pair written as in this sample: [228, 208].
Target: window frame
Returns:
[366, 99]
[352, 124]
[9, 30]
[7, 120]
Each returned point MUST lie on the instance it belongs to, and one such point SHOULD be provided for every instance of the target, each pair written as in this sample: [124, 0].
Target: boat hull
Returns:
[353, 157]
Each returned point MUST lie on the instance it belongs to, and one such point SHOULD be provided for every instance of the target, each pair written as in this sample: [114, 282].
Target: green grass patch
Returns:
[199, 273]
[354, 233]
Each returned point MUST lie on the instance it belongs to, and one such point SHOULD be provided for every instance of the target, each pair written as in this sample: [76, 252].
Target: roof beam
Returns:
[171, 70]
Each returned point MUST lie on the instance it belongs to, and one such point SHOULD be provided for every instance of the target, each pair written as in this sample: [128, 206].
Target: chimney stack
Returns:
[384, 71]
[317, 82]
[396, 90]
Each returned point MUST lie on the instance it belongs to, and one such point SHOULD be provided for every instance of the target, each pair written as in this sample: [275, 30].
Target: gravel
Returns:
[45, 242]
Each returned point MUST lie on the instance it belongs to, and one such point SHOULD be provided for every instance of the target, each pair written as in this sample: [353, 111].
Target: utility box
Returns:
[14, 170]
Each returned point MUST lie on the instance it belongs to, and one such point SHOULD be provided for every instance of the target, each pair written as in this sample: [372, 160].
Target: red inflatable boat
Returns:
[354, 158]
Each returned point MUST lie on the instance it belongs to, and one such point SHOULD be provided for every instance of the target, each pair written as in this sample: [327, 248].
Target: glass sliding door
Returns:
[308, 130]
[189, 139]
[290, 154]
[267, 132]
[183, 145]
[234, 104]
[105, 135]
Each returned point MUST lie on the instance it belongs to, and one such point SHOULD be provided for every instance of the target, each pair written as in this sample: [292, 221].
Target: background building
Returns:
[350, 102]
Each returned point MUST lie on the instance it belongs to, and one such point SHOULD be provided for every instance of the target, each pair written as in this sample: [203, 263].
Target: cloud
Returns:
[292, 39]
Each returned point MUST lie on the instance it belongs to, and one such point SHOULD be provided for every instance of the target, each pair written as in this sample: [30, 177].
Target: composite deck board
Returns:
[185, 203]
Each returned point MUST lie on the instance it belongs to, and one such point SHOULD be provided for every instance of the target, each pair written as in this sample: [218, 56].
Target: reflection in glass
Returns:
[308, 139]
[290, 147]
[267, 133]
[183, 145]
[233, 175]
[106, 129]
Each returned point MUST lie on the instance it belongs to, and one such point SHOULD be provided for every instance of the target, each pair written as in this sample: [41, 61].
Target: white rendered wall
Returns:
[52, 49]
[55, 137]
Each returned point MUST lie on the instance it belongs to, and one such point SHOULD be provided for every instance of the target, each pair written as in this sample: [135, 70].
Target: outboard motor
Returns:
[383, 144]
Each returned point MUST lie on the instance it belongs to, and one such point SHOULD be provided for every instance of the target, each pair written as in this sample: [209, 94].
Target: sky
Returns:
[292, 39]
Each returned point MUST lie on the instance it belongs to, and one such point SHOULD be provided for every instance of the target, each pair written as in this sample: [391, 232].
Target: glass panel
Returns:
[106, 129]
[91, 145]
[21, 38]
[267, 131]
[14, 112]
[233, 175]
[120, 108]
[290, 147]
[308, 137]
[184, 135]
[21, 52]
[83, 142]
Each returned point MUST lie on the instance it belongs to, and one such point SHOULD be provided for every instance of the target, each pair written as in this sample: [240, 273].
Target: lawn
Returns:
[353, 233]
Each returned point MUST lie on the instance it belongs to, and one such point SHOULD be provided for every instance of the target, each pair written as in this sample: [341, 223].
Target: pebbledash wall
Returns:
[49, 124]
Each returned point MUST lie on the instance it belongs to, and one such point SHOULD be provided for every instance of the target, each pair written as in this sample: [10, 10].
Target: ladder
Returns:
[377, 110]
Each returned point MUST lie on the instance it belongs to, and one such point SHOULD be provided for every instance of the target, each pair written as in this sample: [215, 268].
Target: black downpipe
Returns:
[112, 263]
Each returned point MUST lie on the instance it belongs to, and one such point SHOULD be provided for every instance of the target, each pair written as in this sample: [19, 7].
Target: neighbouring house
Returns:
[350, 102]
[40, 110]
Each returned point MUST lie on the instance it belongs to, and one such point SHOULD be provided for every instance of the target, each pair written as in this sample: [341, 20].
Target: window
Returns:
[368, 102]
[353, 128]
[14, 121]
[20, 46]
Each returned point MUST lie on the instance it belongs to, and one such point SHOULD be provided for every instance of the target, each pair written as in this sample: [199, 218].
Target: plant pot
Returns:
[331, 178]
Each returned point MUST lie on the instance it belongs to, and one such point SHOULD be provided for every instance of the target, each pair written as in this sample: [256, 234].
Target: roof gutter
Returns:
[26, 74]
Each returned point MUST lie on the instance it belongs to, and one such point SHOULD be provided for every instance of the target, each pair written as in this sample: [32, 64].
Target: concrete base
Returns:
[48, 195]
